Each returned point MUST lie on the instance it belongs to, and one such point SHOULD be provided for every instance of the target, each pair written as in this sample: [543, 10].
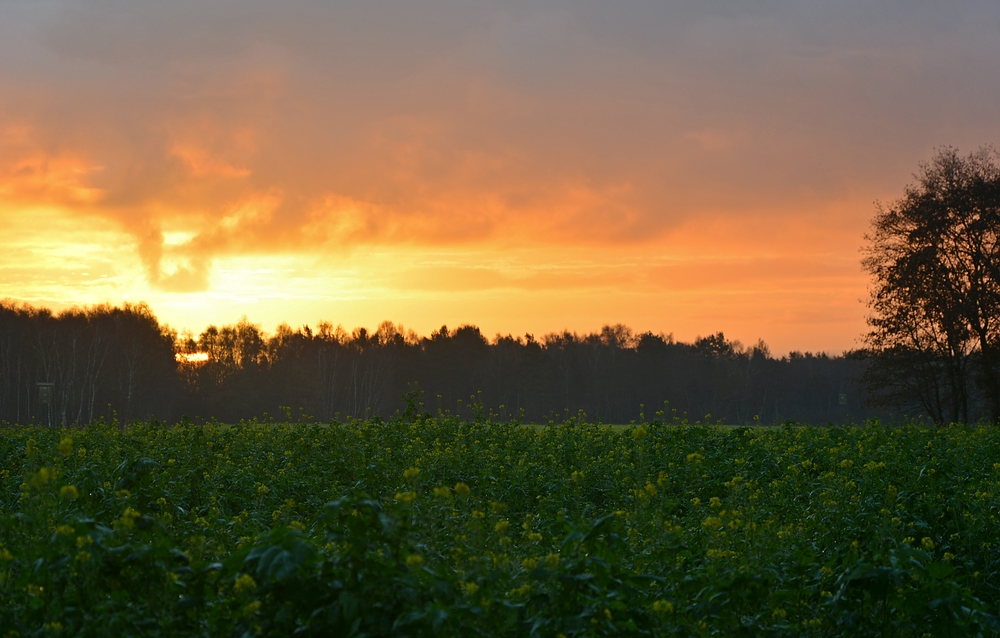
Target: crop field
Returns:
[438, 526]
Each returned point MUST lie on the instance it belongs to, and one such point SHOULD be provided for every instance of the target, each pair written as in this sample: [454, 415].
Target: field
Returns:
[455, 528]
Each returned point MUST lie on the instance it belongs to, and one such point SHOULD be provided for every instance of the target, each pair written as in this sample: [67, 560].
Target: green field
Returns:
[453, 528]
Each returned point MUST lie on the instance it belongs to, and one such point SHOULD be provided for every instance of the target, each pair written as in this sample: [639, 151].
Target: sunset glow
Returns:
[524, 168]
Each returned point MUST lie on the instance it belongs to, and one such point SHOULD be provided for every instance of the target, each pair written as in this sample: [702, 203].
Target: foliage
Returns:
[934, 256]
[101, 361]
[106, 362]
[448, 527]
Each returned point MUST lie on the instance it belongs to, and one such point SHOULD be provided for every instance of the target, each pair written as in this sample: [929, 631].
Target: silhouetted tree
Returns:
[934, 256]
[102, 361]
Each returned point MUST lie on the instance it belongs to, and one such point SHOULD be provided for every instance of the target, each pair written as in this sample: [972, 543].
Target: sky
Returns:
[528, 167]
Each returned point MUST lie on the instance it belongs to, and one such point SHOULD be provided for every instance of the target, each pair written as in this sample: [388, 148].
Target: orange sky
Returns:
[681, 167]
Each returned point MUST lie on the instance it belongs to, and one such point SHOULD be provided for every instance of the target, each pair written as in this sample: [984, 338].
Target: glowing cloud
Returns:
[689, 166]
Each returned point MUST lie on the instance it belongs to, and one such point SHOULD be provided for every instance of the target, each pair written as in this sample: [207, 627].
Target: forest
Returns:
[109, 363]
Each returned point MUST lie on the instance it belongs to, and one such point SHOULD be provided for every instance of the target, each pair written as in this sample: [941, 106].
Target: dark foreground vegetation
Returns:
[107, 361]
[425, 526]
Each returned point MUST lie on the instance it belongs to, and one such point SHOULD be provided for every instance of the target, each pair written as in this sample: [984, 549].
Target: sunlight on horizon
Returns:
[673, 286]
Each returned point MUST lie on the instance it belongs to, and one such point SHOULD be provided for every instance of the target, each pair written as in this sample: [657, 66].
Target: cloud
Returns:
[312, 127]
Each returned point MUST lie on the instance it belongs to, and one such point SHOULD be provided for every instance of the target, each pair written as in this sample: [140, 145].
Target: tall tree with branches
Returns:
[934, 258]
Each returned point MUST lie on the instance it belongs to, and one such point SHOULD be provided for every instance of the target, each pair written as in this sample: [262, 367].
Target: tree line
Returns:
[119, 362]
[101, 362]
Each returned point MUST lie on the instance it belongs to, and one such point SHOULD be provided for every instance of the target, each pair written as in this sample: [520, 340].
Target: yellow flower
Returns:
[552, 560]
[470, 589]
[41, 477]
[66, 446]
[529, 563]
[262, 489]
[442, 492]
[501, 526]
[83, 556]
[244, 583]
[576, 476]
[414, 560]
[411, 473]
[712, 522]
[69, 491]
[128, 518]
[663, 607]
[82, 541]
[65, 530]
[927, 543]
[461, 489]
[251, 608]
[694, 457]
[406, 497]
[520, 591]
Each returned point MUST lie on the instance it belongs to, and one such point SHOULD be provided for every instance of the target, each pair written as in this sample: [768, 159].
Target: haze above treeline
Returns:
[110, 362]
